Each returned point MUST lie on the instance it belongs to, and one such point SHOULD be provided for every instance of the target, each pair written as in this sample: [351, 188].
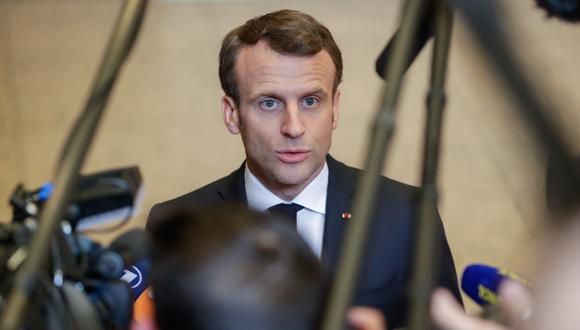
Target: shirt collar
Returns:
[312, 197]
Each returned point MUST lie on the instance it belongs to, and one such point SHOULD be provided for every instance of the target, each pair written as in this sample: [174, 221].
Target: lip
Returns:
[292, 156]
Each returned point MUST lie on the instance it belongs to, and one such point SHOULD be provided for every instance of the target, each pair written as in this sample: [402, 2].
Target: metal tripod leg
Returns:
[426, 248]
[365, 198]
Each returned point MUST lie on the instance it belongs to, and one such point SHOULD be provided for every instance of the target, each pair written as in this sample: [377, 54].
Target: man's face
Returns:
[286, 115]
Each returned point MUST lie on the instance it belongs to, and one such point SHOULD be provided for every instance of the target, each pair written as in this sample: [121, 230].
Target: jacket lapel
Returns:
[341, 183]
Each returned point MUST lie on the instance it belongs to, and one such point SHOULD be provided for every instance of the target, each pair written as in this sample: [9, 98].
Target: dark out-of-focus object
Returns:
[89, 275]
[561, 196]
[106, 197]
[228, 267]
[568, 10]
[424, 34]
[103, 197]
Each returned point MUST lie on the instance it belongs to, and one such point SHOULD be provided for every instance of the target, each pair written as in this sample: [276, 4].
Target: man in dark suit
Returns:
[280, 73]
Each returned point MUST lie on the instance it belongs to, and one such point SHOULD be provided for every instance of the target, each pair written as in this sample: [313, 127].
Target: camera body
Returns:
[81, 288]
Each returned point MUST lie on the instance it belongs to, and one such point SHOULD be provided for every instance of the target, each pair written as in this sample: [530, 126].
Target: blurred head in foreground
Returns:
[230, 268]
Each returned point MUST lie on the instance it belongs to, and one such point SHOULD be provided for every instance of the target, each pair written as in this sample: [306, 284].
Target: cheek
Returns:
[257, 138]
[322, 131]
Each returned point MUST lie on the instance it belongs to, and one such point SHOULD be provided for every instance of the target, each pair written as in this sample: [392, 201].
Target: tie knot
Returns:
[287, 210]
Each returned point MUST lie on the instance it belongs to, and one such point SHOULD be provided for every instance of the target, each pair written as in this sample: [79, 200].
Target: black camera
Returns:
[82, 287]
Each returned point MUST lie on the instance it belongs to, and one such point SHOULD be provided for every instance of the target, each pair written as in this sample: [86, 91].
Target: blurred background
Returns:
[164, 114]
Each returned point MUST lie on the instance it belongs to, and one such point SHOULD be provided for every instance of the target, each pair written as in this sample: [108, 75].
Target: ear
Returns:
[335, 107]
[231, 114]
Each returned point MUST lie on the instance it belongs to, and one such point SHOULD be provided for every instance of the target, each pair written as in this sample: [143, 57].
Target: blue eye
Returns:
[269, 104]
[310, 102]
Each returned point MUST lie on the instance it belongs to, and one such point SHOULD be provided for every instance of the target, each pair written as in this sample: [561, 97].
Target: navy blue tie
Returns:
[287, 211]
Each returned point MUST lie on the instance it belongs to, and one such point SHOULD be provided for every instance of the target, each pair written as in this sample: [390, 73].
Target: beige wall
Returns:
[164, 114]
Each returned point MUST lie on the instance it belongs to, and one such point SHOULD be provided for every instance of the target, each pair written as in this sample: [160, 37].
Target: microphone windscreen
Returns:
[481, 283]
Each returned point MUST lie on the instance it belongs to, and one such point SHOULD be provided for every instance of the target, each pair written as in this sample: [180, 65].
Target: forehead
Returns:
[259, 69]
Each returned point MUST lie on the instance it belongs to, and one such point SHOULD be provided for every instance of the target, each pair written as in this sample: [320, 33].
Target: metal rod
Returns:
[352, 250]
[28, 276]
[425, 246]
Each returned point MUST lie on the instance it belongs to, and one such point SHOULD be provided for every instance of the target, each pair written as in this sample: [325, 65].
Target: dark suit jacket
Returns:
[385, 275]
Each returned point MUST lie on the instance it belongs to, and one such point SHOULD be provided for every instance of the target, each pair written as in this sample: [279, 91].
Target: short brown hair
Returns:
[288, 32]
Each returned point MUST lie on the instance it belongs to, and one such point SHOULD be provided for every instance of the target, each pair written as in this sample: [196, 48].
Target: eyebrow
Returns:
[319, 92]
[270, 95]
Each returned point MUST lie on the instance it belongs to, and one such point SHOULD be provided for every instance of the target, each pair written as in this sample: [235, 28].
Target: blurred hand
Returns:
[147, 325]
[515, 299]
[365, 318]
[359, 318]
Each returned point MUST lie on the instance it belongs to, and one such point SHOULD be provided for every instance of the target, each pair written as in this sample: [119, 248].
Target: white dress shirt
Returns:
[309, 220]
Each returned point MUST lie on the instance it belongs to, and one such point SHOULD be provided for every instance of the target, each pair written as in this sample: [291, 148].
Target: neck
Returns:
[286, 192]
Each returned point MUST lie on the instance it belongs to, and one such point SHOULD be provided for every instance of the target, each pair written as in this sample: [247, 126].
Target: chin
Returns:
[293, 177]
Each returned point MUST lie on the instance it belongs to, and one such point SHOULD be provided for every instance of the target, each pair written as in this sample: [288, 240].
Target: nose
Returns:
[292, 126]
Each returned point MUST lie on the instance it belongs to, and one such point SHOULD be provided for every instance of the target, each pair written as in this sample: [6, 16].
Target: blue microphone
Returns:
[481, 283]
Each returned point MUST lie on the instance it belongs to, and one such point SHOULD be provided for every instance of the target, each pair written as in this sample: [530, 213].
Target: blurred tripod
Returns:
[484, 20]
